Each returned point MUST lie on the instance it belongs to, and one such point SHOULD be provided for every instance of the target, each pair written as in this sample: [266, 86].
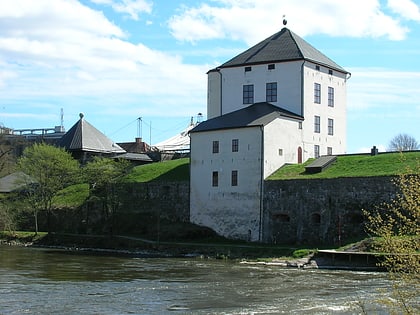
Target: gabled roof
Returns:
[280, 47]
[258, 114]
[14, 181]
[84, 137]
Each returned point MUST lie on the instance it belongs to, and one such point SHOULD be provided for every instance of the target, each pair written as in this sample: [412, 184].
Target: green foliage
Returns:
[304, 252]
[353, 166]
[103, 176]
[49, 170]
[174, 170]
[397, 226]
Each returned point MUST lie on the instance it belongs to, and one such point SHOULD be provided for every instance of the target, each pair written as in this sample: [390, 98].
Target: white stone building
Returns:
[281, 101]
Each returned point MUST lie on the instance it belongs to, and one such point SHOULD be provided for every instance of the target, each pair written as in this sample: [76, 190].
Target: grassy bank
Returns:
[386, 164]
[213, 247]
[362, 165]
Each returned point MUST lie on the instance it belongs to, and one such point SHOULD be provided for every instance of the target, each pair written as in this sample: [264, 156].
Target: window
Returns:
[317, 124]
[329, 150]
[215, 179]
[235, 145]
[315, 218]
[300, 125]
[248, 94]
[330, 126]
[271, 92]
[215, 146]
[330, 72]
[280, 152]
[234, 178]
[316, 151]
[330, 96]
[271, 66]
[317, 93]
[247, 69]
[317, 68]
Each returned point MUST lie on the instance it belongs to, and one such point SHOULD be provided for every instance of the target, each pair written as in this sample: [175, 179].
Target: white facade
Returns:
[281, 72]
[233, 207]
[295, 92]
[216, 204]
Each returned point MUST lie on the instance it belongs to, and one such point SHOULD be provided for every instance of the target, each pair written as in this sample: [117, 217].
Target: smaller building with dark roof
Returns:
[83, 140]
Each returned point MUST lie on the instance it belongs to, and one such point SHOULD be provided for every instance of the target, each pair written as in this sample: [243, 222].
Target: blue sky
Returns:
[118, 60]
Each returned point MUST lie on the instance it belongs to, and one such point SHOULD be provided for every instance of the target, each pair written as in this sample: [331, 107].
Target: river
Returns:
[42, 281]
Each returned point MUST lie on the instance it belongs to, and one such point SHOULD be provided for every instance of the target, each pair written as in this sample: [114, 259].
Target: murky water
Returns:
[40, 281]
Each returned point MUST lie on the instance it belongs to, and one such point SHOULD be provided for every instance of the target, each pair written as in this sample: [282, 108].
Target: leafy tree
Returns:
[5, 156]
[50, 170]
[397, 227]
[403, 142]
[104, 176]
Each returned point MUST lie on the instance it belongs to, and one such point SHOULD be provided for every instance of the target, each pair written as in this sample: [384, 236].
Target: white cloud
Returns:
[130, 7]
[252, 20]
[384, 88]
[406, 8]
[62, 49]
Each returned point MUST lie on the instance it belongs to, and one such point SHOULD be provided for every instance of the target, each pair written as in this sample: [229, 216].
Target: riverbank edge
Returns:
[152, 249]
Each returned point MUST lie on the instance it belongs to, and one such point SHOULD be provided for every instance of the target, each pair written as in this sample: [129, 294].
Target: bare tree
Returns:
[403, 142]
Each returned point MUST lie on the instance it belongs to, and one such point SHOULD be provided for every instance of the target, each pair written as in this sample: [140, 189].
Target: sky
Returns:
[137, 68]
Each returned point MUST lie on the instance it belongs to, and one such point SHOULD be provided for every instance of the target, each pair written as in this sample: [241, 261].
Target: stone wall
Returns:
[171, 199]
[321, 211]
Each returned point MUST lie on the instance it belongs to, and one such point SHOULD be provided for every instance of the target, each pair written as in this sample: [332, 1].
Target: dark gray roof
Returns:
[280, 47]
[14, 181]
[258, 114]
[85, 137]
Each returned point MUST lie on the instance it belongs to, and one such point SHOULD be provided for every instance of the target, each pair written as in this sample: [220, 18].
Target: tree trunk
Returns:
[36, 221]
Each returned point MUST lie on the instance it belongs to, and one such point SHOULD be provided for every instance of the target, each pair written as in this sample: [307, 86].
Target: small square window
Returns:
[317, 68]
[329, 151]
[330, 72]
[247, 69]
[271, 66]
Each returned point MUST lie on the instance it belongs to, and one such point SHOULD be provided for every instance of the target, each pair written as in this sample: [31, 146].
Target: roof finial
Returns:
[284, 20]
[81, 115]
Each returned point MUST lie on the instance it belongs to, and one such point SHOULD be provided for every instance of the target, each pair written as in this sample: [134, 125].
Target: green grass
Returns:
[174, 170]
[22, 236]
[355, 166]
[72, 196]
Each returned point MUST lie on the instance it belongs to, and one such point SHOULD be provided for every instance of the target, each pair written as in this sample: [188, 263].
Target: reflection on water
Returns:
[39, 281]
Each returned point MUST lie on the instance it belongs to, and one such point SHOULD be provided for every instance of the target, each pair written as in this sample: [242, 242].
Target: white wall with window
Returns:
[228, 181]
[227, 87]
[282, 138]
[325, 123]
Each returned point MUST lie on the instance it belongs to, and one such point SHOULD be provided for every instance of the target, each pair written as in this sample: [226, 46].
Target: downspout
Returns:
[260, 234]
[302, 89]
[302, 105]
